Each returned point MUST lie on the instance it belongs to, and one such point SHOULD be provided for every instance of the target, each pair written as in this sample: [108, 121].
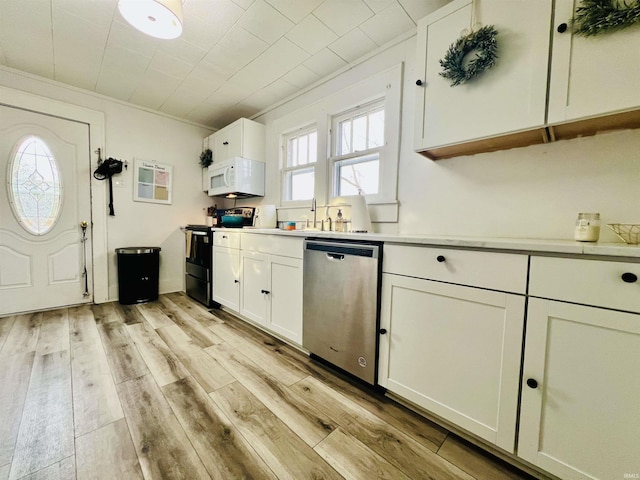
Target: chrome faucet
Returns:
[314, 210]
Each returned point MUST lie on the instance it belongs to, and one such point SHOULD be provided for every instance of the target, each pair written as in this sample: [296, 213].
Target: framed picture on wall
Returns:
[152, 182]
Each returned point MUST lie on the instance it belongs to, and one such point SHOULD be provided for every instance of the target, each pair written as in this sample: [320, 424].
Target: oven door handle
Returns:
[203, 234]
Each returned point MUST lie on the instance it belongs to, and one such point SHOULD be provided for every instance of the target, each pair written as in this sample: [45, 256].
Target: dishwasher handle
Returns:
[335, 256]
[343, 248]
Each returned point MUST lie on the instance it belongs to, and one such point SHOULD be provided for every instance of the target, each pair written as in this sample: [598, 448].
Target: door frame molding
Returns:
[95, 121]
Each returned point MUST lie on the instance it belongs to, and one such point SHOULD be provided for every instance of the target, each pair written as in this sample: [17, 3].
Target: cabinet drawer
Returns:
[273, 245]
[496, 271]
[589, 282]
[226, 239]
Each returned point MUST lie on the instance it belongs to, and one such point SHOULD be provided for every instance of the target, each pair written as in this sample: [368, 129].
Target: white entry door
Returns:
[45, 176]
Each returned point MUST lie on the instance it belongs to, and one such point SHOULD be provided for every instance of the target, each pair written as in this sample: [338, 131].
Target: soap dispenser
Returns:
[339, 223]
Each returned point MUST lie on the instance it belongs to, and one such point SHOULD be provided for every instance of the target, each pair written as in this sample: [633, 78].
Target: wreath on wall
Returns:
[482, 44]
[594, 17]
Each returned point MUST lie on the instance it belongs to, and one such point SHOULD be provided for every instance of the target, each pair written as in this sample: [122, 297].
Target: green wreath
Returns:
[601, 16]
[206, 158]
[482, 44]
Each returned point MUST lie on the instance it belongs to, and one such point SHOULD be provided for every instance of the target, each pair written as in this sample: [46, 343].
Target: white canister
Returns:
[587, 227]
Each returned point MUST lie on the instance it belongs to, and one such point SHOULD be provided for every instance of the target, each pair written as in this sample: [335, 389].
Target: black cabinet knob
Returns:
[383, 331]
[629, 277]
[419, 83]
[236, 281]
[225, 143]
[265, 291]
[440, 258]
[562, 28]
[531, 383]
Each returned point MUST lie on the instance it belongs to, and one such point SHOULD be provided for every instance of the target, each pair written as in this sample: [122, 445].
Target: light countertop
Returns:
[522, 245]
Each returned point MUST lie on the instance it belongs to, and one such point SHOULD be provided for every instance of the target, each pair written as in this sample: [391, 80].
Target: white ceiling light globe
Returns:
[157, 18]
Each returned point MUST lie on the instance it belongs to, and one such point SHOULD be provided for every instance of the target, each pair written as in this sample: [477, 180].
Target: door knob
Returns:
[531, 383]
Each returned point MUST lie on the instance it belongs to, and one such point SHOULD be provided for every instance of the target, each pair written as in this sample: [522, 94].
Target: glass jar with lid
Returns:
[587, 227]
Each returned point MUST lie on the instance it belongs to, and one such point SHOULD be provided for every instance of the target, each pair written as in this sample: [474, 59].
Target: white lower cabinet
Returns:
[226, 277]
[455, 351]
[580, 406]
[270, 292]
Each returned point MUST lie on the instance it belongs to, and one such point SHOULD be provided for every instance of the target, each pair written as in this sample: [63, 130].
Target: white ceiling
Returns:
[234, 58]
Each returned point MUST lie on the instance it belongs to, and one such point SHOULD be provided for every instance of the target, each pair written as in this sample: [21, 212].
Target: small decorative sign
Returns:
[152, 182]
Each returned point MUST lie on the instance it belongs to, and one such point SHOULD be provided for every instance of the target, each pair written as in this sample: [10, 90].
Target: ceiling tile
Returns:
[171, 66]
[204, 78]
[124, 36]
[232, 92]
[236, 49]
[269, 95]
[206, 21]
[78, 71]
[388, 24]
[295, 10]
[324, 62]
[98, 13]
[117, 83]
[265, 22]
[342, 16]
[418, 9]
[353, 45]
[183, 50]
[126, 61]
[182, 101]
[154, 89]
[244, 4]
[378, 5]
[301, 76]
[311, 34]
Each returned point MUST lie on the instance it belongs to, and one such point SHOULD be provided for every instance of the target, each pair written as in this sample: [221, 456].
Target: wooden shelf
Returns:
[563, 131]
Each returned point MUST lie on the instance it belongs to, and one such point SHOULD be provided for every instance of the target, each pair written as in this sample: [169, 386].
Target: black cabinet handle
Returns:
[224, 236]
[440, 258]
[419, 83]
[531, 383]
[236, 281]
[383, 331]
[629, 277]
[562, 28]
[265, 291]
[225, 143]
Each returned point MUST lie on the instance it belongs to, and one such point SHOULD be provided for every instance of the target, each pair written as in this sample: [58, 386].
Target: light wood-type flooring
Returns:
[167, 390]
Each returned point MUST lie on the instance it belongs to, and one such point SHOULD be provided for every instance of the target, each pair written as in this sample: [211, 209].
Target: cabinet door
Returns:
[455, 351]
[592, 75]
[227, 142]
[285, 317]
[509, 97]
[226, 277]
[255, 286]
[582, 419]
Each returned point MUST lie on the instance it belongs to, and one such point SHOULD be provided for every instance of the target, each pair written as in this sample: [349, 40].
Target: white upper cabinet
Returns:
[509, 97]
[242, 138]
[592, 76]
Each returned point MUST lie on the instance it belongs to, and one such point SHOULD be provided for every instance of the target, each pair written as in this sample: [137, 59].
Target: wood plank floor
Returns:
[170, 390]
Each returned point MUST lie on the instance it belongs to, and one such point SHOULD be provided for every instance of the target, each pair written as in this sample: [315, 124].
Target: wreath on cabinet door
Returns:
[482, 44]
[206, 158]
[594, 17]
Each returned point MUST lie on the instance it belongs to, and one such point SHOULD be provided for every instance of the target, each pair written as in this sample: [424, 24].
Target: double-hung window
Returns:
[358, 140]
[301, 155]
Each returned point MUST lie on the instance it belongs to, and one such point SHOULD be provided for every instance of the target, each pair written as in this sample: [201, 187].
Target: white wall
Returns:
[131, 133]
[531, 192]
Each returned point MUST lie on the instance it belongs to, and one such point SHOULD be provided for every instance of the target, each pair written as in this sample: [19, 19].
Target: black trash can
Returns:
[138, 273]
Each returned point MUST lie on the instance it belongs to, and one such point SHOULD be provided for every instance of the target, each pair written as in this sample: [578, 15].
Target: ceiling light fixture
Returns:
[158, 18]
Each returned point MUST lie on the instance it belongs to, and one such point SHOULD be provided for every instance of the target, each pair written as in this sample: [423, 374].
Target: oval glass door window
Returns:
[35, 186]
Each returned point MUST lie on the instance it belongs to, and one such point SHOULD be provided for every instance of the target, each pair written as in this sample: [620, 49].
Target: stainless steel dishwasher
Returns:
[341, 304]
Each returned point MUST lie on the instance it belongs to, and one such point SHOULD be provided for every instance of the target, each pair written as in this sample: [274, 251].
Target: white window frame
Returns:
[287, 169]
[358, 156]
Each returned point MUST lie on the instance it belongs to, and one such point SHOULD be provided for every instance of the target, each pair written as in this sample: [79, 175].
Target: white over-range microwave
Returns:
[237, 177]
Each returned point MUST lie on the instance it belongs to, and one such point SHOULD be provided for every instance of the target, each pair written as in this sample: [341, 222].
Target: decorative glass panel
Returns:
[35, 186]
